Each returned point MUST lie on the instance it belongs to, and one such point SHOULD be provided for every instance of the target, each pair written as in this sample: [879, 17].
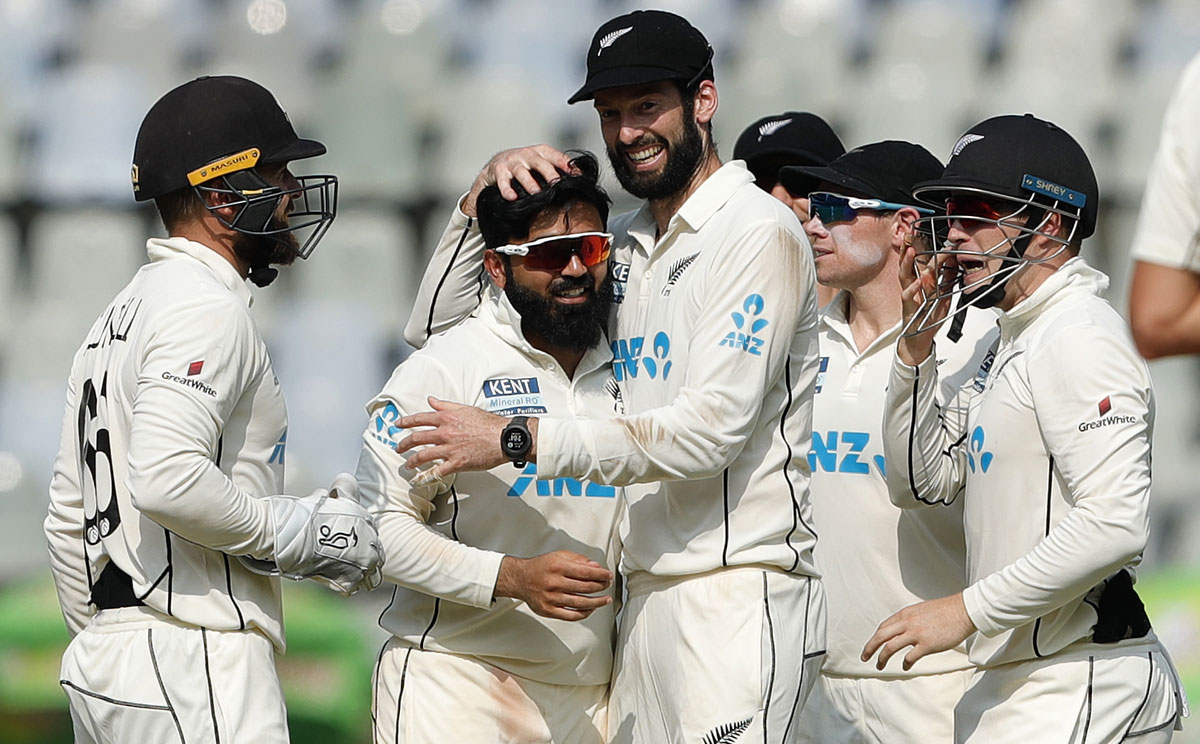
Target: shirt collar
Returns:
[708, 198]
[836, 317]
[1072, 278]
[160, 249]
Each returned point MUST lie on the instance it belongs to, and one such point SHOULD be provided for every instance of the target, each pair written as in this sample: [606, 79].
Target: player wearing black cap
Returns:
[863, 219]
[715, 358]
[1052, 459]
[167, 527]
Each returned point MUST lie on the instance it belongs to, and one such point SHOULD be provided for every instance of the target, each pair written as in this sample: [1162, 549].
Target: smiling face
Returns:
[565, 308]
[653, 138]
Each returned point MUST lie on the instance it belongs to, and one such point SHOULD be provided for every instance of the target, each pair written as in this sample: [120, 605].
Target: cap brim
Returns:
[800, 179]
[297, 150]
[619, 77]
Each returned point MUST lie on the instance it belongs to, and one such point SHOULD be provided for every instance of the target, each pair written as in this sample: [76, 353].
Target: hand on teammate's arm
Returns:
[463, 438]
[929, 627]
[559, 585]
[518, 164]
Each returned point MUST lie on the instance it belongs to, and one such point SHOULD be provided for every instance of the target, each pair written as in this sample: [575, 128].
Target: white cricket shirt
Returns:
[1054, 455]
[874, 558]
[715, 352]
[1168, 227]
[444, 541]
[175, 426]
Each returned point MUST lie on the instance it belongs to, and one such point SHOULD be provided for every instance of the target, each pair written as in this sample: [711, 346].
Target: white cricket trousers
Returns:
[1123, 695]
[883, 710]
[729, 655]
[432, 697]
[134, 675]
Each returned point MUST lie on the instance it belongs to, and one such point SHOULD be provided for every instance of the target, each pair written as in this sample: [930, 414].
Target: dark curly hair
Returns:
[501, 221]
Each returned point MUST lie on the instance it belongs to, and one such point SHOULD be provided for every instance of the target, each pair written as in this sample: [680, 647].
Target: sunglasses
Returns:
[554, 252]
[974, 206]
[830, 208]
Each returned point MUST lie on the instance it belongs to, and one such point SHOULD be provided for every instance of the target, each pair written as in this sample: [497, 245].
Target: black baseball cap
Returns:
[790, 138]
[885, 170]
[1020, 157]
[208, 127]
[645, 46]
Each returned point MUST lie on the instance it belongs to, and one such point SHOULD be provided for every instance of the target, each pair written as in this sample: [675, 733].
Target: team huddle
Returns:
[814, 446]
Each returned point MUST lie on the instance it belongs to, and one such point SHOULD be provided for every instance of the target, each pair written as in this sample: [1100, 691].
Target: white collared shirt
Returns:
[444, 541]
[1054, 456]
[175, 427]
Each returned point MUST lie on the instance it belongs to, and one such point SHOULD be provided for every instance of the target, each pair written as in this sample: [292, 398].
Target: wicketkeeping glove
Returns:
[326, 536]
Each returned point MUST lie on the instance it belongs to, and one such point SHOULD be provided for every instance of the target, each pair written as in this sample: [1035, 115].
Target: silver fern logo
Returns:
[727, 733]
[610, 39]
[771, 127]
[962, 143]
[676, 271]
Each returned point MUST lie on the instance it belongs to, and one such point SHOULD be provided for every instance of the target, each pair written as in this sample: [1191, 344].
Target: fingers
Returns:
[521, 164]
[413, 420]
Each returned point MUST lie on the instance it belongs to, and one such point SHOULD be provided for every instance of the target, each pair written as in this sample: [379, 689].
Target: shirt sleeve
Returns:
[923, 441]
[737, 352]
[1168, 226]
[64, 524]
[453, 283]
[175, 434]
[1095, 409]
[418, 556]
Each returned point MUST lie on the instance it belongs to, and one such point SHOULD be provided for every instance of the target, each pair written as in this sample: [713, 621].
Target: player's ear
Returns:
[493, 264]
[705, 101]
[903, 226]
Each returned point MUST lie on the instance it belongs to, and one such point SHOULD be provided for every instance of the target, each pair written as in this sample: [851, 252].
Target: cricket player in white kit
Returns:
[874, 558]
[714, 352]
[1052, 461]
[504, 616]
[1164, 297]
[165, 511]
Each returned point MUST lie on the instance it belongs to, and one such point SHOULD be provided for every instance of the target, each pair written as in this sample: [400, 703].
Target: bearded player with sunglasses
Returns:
[874, 558]
[1052, 461]
[504, 607]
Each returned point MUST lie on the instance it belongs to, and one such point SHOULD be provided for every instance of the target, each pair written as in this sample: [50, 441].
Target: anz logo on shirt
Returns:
[558, 486]
[385, 430]
[631, 358]
[977, 459]
[746, 327]
[844, 456]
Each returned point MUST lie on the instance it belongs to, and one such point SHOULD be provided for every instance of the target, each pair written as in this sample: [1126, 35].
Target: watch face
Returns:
[515, 440]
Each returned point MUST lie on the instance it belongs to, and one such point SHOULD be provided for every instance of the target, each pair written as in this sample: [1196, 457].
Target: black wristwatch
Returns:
[516, 440]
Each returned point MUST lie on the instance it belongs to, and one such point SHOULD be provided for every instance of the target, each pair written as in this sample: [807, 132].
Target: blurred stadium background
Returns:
[412, 97]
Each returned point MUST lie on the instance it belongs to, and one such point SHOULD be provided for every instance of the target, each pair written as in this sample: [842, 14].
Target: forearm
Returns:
[923, 466]
[453, 283]
[68, 561]
[1164, 310]
[425, 560]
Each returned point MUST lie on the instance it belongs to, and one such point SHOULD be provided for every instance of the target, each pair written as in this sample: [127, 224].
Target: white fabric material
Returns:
[454, 282]
[1105, 696]
[445, 541]
[875, 710]
[174, 391]
[134, 675]
[426, 697]
[874, 558]
[1168, 227]
[1055, 447]
[687, 673]
[715, 351]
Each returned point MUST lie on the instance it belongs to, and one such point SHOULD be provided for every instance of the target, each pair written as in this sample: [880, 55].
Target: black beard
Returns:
[571, 327]
[260, 251]
[683, 158]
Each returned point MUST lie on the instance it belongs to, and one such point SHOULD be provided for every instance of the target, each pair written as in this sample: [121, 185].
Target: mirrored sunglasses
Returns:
[974, 206]
[553, 252]
[830, 207]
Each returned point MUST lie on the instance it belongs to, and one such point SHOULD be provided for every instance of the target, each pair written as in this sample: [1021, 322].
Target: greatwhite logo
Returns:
[608, 39]
[771, 127]
[963, 141]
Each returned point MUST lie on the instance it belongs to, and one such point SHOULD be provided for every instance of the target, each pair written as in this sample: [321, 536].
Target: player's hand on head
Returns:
[518, 164]
[560, 584]
[928, 627]
[459, 438]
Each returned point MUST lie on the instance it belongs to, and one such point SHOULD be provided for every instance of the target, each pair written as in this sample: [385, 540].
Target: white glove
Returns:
[326, 536]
